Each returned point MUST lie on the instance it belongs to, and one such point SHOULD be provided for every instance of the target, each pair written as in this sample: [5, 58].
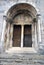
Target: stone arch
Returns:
[21, 8]
[20, 2]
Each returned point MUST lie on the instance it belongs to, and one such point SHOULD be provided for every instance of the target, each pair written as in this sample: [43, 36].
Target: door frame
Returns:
[33, 35]
[22, 36]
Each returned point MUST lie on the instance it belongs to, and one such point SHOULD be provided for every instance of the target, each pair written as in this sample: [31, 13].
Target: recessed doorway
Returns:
[27, 42]
[27, 36]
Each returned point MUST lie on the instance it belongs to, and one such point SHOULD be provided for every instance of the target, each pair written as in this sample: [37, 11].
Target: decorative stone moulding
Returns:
[20, 2]
[17, 3]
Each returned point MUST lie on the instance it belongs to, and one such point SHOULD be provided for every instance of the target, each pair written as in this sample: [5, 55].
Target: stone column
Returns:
[22, 34]
[8, 29]
[39, 29]
[3, 32]
[36, 45]
[11, 35]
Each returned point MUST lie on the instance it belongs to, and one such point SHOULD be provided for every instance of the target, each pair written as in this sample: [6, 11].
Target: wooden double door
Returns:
[27, 36]
[16, 36]
[27, 42]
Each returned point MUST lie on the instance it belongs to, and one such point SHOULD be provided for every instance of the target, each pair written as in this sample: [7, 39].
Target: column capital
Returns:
[38, 16]
[7, 19]
[4, 17]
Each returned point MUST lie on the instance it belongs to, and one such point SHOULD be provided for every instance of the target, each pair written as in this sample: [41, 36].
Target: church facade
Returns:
[22, 25]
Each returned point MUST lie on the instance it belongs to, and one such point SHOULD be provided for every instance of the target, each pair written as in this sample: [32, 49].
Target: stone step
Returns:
[22, 55]
[21, 50]
[21, 59]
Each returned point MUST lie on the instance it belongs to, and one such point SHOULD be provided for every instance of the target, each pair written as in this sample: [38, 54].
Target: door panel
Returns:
[17, 36]
[27, 36]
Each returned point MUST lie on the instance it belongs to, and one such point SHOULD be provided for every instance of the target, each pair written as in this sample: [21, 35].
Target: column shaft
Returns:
[39, 31]
[3, 31]
[11, 33]
[36, 45]
[22, 34]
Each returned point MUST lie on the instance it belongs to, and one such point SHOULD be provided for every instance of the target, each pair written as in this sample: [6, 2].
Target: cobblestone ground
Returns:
[21, 59]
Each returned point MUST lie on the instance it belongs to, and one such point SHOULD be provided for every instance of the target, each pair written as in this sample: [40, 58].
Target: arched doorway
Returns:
[22, 37]
[21, 24]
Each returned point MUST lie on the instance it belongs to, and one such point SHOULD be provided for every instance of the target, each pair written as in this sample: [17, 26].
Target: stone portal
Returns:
[21, 24]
